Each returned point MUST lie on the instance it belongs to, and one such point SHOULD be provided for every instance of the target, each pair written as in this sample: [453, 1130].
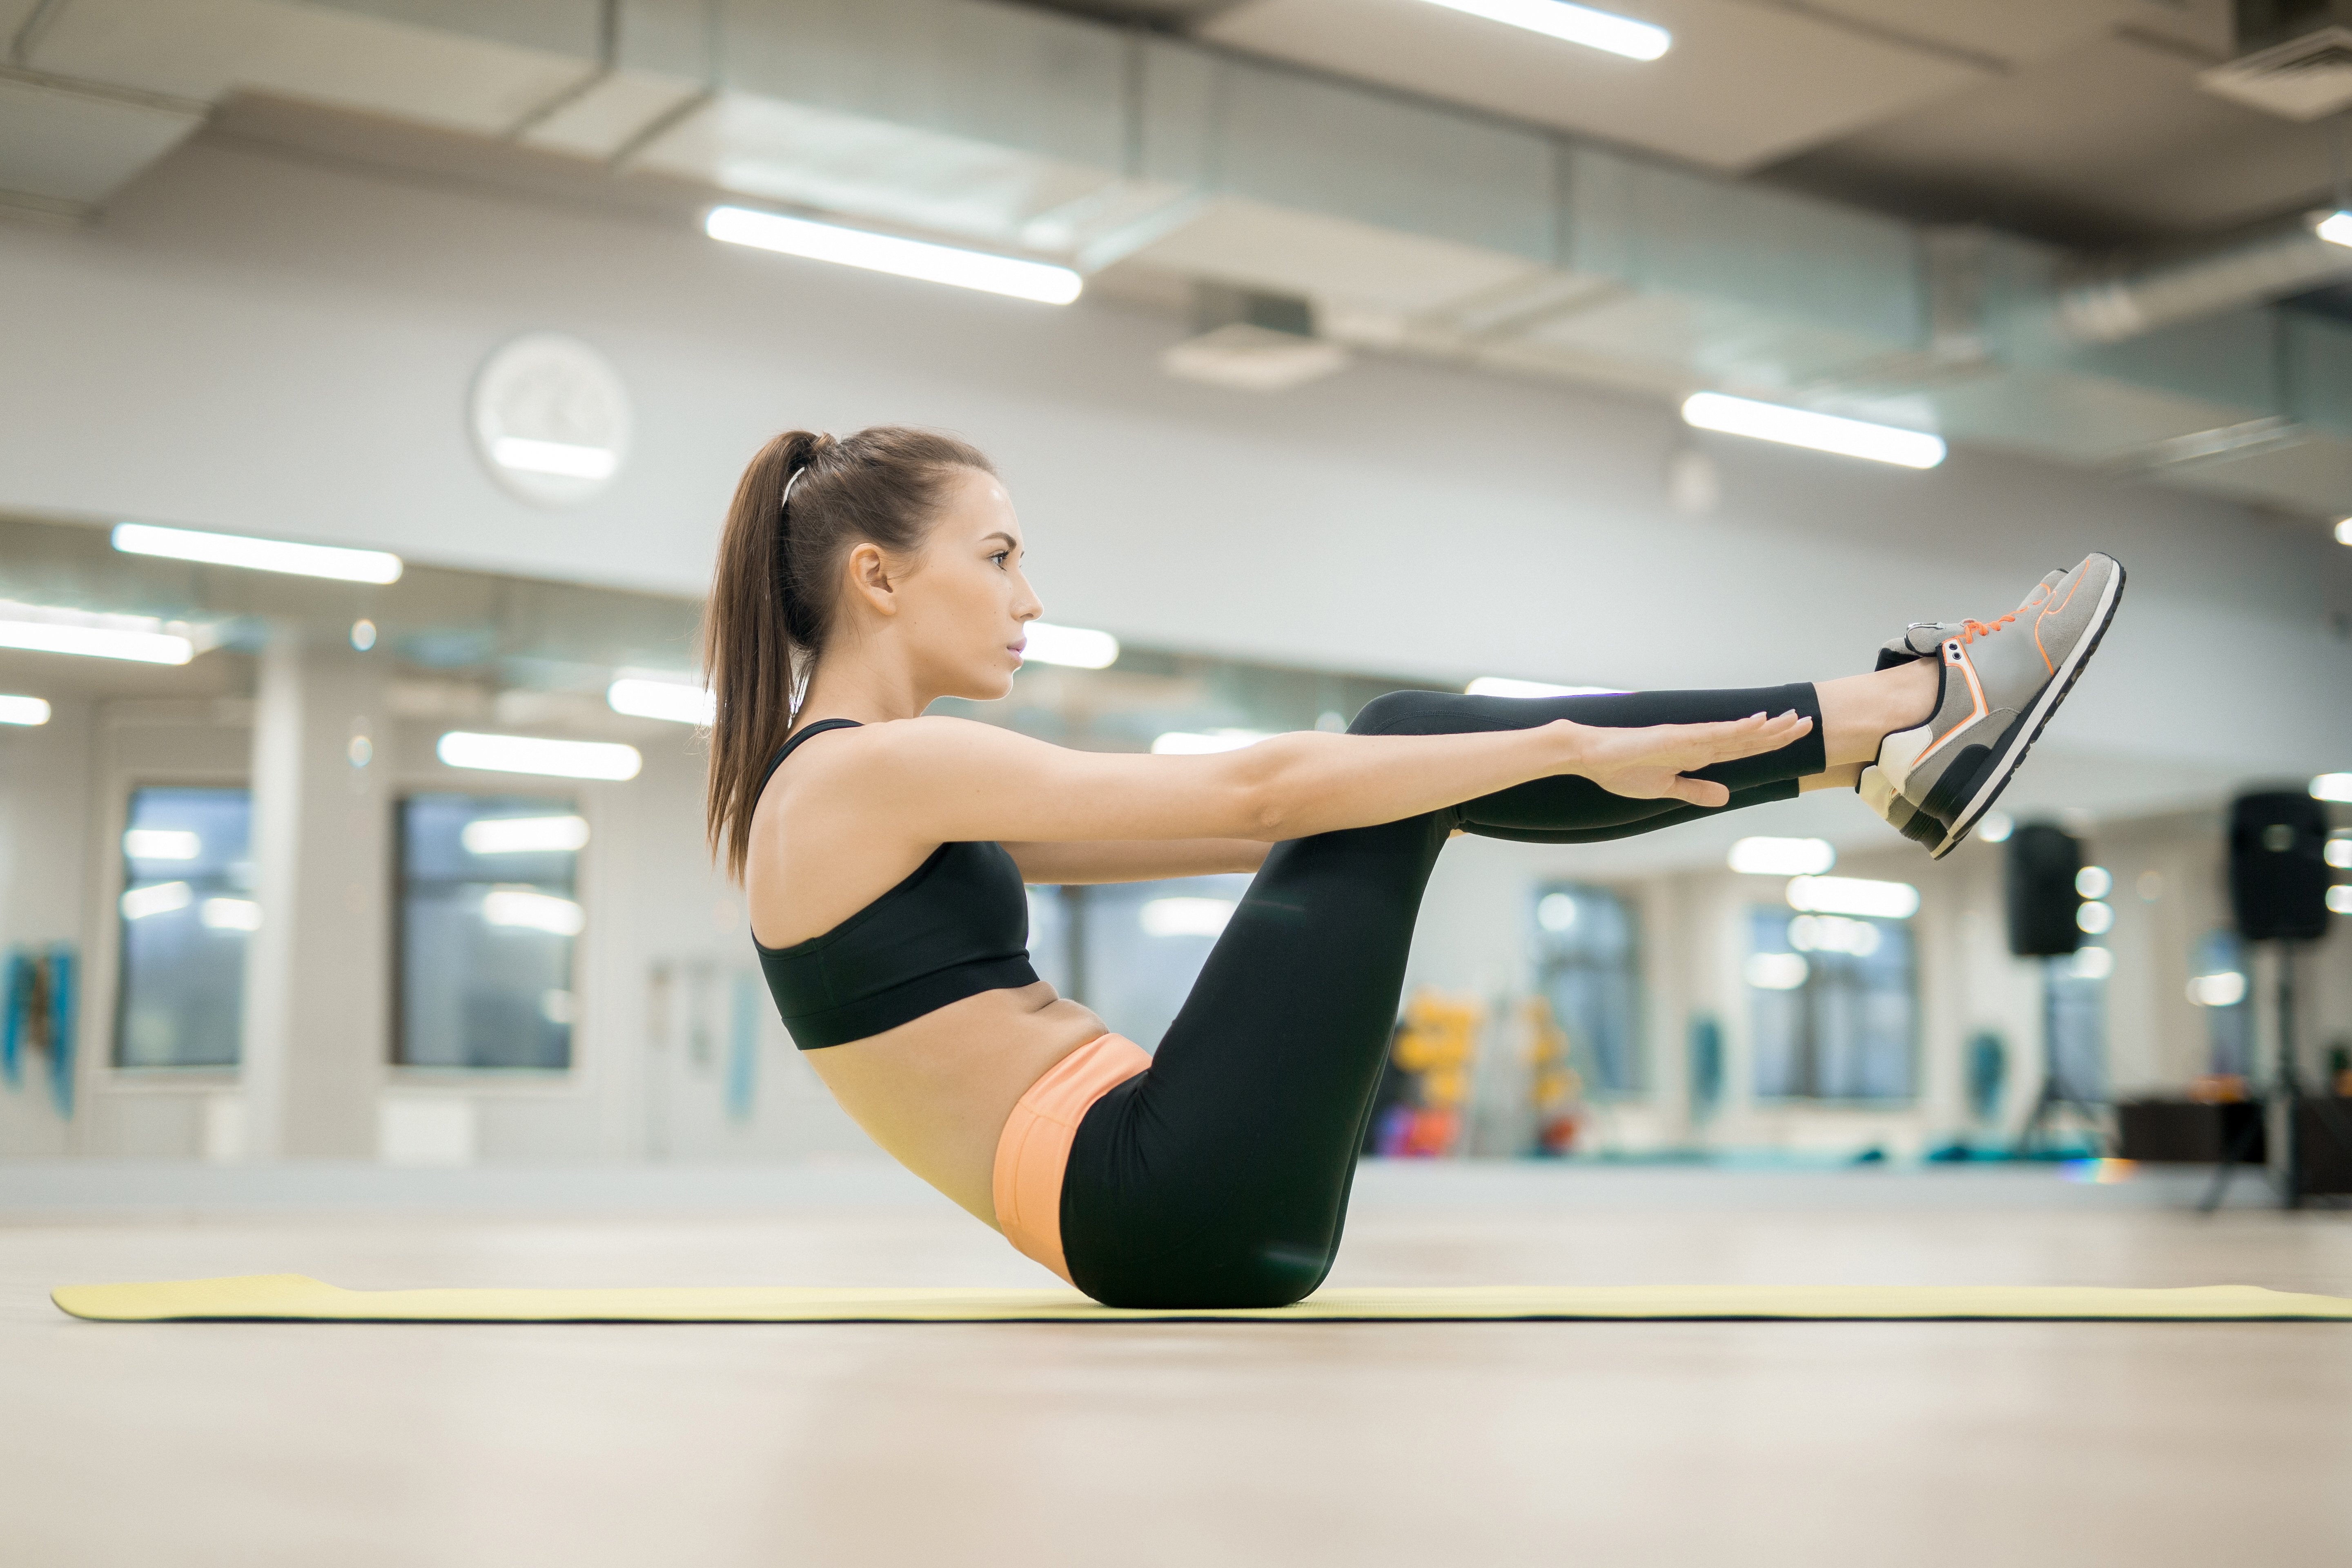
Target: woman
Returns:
[884, 853]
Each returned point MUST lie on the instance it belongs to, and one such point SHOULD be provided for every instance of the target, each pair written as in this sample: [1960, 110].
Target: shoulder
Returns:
[897, 748]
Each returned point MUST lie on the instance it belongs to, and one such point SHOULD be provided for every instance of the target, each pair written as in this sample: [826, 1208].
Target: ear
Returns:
[869, 578]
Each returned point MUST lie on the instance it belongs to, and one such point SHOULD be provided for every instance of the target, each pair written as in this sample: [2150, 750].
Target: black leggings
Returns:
[1219, 1177]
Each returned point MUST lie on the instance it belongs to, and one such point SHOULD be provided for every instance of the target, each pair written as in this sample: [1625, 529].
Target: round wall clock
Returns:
[551, 419]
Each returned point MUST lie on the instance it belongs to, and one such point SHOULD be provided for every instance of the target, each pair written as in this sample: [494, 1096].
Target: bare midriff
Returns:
[935, 1092]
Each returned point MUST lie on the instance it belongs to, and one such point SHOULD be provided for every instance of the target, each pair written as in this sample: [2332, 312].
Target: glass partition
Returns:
[185, 912]
[1587, 965]
[1141, 944]
[1835, 1002]
[488, 918]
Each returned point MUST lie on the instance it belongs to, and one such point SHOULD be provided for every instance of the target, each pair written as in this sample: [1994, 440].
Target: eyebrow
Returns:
[999, 533]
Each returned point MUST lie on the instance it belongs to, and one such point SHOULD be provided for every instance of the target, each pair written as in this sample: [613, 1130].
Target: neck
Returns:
[850, 688]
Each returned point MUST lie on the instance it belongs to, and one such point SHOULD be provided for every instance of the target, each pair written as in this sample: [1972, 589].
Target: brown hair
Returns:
[772, 598]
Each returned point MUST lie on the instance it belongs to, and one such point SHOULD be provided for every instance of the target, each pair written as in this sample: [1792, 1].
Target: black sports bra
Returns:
[956, 926]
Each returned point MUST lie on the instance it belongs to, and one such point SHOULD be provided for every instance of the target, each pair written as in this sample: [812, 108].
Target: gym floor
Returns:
[1760, 1445]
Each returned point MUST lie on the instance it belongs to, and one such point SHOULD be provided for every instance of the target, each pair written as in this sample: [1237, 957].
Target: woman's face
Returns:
[963, 607]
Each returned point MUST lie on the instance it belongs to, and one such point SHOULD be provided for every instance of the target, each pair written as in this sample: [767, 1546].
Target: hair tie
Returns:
[788, 488]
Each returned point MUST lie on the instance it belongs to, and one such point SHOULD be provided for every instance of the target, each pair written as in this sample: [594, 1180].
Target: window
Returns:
[186, 911]
[487, 921]
[1587, 965]
[1835, 1006]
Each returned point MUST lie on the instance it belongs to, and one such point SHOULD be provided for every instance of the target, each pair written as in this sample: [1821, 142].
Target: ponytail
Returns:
[772, 594]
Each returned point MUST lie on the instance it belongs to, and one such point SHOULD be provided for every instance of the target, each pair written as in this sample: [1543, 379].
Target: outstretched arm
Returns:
[934, 779]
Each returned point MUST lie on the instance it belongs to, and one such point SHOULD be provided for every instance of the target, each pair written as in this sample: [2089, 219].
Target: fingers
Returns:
[1748, 737]
[1700, 792]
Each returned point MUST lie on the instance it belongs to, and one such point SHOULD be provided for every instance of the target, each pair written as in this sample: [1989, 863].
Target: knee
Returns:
[1399, 713]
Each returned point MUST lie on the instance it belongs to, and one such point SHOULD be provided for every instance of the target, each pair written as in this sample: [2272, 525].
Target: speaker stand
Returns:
[2286, 1099]
[2057, 1093]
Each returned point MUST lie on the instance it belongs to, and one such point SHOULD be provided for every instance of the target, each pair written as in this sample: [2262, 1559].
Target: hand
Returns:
[1650, 763]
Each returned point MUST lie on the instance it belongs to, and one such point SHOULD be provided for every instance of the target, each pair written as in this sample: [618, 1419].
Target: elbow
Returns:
[1267, 796]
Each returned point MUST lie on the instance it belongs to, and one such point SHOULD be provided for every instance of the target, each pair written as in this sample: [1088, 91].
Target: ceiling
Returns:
[2078, 121]
[1422, 181]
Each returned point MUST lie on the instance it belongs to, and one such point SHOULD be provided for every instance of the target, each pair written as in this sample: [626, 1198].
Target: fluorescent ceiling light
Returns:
[531, 755]
[43, 629]
[1185, 917]
[2339, 899]
[1995, 826]
[2332, 787]
[679, 702]
[2339, 853]
[2226, 989]
[1504, 686]
[2095, 919]
[2093, 963]
[259, 554]
[155, 899]
[1574, 24]
[532, 910]
[230, 914]
[568, 459]
[1039, 280]
[24, 710]
[2094, 881]
[1853, 896]
[1073, 645]
[2336, 228]
[1187, 743]
[2343, 531]
[1782, 856]
[1821, 432]
[1776, 971]
[523, 835]
[162, 844]
[1556, 911]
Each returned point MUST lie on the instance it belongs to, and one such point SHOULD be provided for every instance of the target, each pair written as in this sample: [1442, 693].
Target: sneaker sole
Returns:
[2022, 742]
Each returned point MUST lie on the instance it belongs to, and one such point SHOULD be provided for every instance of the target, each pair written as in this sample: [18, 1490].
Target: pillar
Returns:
[318, 973]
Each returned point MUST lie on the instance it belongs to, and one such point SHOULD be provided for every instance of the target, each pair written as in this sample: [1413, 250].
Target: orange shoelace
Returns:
[1971, 630]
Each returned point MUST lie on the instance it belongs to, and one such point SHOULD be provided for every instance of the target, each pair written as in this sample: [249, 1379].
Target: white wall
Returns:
[250, 341]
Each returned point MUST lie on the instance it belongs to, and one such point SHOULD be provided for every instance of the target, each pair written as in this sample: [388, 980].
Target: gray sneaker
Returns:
[1924, 639]
[2001, 682]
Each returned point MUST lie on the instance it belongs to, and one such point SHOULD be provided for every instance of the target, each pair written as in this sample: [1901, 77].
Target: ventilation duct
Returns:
[2124, 302]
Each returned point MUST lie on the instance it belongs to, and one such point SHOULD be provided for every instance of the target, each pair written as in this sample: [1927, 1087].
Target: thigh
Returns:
[1219, 1176]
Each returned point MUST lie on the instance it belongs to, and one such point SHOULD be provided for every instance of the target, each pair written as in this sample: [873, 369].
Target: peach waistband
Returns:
[1034, 1149]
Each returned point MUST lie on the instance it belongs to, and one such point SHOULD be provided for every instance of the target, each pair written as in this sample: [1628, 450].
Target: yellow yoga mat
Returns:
[295, 1296]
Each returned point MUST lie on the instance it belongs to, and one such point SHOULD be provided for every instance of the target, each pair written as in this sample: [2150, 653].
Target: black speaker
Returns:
[2043, 861]
[2278, 866]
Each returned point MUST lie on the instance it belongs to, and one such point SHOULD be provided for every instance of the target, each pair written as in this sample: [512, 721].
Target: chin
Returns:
[993, 686]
